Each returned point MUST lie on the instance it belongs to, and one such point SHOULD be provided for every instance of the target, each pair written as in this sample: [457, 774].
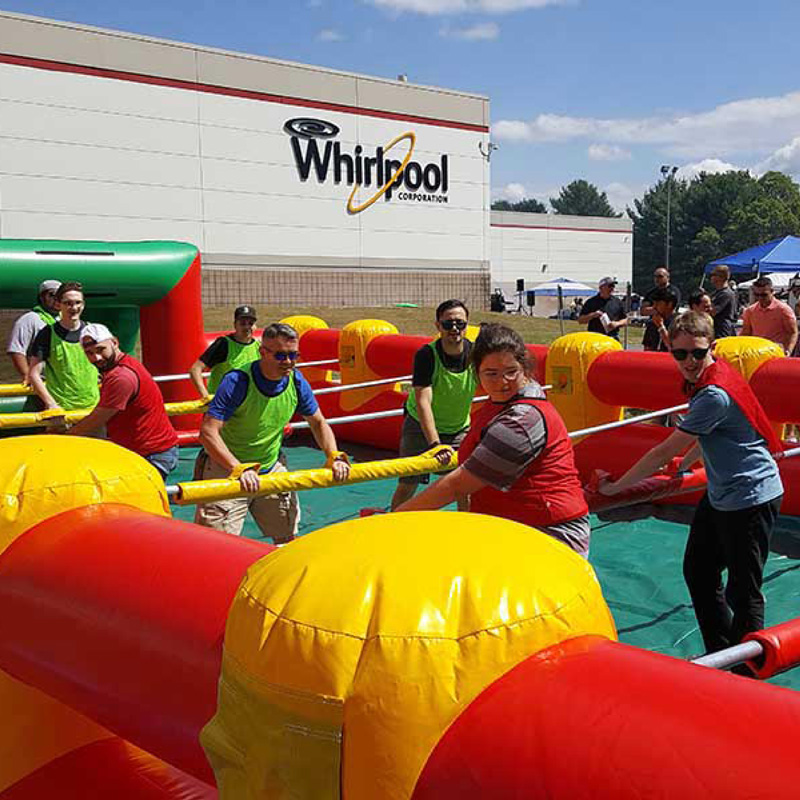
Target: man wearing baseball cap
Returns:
[232, 351]
[130, 406]
[29, 324]
[604, 313]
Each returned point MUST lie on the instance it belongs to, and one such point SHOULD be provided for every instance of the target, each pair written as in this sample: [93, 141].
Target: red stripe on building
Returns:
[264, 97]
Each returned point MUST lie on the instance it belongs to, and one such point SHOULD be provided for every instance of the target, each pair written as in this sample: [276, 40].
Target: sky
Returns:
[604, 90]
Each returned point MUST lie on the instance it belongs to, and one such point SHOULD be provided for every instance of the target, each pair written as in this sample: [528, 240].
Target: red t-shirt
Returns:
[141, 424]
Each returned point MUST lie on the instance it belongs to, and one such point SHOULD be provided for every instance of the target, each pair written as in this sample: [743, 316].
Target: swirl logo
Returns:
[353, 208]
[308, 128]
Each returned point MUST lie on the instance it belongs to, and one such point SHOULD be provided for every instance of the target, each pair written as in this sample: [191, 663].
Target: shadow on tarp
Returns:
[637, 553]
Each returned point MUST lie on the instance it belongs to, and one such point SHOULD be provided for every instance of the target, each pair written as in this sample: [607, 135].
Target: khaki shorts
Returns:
[413, 443]
[277, 515]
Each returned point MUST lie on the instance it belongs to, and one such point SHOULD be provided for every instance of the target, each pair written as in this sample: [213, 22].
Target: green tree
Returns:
[529, 205]
[582, 199]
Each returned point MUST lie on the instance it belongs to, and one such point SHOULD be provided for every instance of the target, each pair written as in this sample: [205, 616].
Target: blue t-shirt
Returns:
[232, 390]
[741, 472]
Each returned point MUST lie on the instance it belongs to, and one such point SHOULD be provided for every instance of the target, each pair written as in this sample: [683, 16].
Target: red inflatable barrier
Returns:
[120, 614]
[636, 380]
[599, 720]
[781, 645]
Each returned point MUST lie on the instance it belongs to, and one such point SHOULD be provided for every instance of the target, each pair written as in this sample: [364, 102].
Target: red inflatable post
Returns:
[595, 719]
[120, 614]
[781, 645]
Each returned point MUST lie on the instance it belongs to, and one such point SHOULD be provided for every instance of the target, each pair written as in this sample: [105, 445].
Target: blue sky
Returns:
[606, 90]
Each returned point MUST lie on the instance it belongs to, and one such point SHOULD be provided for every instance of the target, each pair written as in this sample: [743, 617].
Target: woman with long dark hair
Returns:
[517, 461]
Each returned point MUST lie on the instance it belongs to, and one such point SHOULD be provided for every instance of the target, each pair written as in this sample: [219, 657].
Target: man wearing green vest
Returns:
[29, 324]
[232, 351]
[438, 406]
[71, 379]
[242, 433]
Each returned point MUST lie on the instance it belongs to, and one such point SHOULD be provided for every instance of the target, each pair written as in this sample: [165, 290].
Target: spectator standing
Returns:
[130, 406]
[663, 313]
[725, 306]
[661, 283]
[242, 432]
[71, 379]
[232, 351]
[769, 317]
[700, 300]
[604, 313]
[442, 388]
[25, 328]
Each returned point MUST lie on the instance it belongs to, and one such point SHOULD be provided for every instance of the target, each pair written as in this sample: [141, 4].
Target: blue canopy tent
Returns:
[569, 288]
[779, 255]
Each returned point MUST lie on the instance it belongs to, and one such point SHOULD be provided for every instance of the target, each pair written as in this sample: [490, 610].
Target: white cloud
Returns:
[608, 152]
[758, 124]
[329, 35]
[620, 195]
[482, 30]
[440, 7]
[513, 192]
[711, 166]
[784, 159]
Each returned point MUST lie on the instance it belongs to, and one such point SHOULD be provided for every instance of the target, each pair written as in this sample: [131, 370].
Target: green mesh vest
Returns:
[71, 378]
[452, 396]
[239, 355]
[44, 315]
[255, 431]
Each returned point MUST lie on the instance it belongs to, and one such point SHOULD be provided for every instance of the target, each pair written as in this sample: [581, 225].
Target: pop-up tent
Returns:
[569, 288]
[779, 255]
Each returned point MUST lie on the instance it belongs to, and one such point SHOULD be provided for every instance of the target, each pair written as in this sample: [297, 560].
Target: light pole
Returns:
[668, 171]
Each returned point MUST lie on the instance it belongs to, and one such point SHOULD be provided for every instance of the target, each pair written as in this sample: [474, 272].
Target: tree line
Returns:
[710, 216]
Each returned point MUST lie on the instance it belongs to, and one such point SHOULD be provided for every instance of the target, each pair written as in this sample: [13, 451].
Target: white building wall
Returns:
[541, 247]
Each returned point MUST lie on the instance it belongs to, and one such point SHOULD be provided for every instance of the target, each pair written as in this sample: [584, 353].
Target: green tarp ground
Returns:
[639, 562]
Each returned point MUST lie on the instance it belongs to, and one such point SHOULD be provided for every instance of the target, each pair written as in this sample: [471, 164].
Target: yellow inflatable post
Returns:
[568, 362]
[303, 323]
[348, 653]
[353, 366]
[34, 484]
[746, 354]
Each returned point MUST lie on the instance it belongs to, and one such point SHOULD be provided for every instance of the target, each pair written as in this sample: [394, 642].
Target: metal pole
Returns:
[560, 308]
[730, 656]
[627, 314]
[669, 193]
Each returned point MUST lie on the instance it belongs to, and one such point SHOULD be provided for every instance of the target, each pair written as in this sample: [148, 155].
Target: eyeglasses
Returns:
[760, 294]
[291, 355]
[496, 375]
[698, 354]
[458, 324]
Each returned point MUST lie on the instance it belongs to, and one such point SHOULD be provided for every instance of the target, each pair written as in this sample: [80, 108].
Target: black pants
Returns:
[739, 542]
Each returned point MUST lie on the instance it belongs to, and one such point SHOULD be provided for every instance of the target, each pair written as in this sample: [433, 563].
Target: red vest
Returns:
[721, 374]
[549, 491]
[143, 425]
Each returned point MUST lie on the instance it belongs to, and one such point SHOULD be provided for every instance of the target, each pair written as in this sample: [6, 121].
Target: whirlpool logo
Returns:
[315, 148]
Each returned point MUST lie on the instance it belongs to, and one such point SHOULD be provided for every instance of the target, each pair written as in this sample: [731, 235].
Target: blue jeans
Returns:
[165, 461]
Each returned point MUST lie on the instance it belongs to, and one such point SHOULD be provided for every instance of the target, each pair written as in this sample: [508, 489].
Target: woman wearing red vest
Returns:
[517, 460]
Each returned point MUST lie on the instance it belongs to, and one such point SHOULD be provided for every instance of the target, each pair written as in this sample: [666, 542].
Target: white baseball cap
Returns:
[97, 332]
[49, 286]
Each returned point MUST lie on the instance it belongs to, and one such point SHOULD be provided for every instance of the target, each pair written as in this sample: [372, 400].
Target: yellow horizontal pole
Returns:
[191, 492]
[14, 389]
[41, 419]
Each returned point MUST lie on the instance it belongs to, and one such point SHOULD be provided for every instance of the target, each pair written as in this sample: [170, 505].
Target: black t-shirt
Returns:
[725, 312]
[40, 346]
[673, 290]
[424, 362]
[216, 352]
[611, 305]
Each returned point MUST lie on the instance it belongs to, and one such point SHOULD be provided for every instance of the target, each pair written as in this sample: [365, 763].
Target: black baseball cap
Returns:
[245, 311]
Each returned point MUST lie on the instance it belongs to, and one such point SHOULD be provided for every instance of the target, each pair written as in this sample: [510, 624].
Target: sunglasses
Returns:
[292, 355]
[458, 324]
[698, 354]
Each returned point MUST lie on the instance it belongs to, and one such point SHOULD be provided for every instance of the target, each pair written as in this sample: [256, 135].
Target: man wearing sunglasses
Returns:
[242, 432]
[440, 400]
[769, 317]
[733, 522]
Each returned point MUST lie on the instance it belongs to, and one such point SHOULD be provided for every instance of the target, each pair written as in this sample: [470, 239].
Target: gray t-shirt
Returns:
[23, 332]
[725, 312]
[510, 443]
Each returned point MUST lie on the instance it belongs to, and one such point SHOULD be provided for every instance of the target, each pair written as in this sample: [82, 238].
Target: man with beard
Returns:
[130, 405]
[29, 324]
